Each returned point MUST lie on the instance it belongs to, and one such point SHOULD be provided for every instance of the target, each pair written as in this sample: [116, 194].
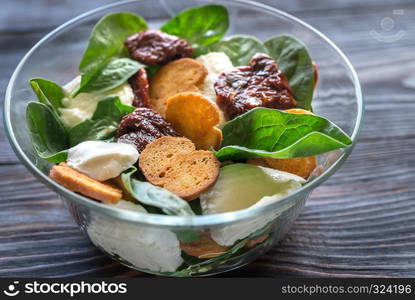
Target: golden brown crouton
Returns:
[255, 241]
[182, 75]
[195, 116]
[204, 247]
[173, 163]
[301, 166]
[79, 182]
[157, 157]
[192, 174]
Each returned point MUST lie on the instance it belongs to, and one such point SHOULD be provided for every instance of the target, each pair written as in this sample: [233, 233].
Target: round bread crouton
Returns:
[173, 163]
[182, 75]
[195, 117]
[192, 174]
[157, 156]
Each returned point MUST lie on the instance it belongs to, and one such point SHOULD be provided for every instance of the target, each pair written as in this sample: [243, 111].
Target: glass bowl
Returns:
[150, 242]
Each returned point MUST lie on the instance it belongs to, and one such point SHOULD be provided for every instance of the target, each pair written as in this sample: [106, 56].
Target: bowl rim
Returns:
[213, 220]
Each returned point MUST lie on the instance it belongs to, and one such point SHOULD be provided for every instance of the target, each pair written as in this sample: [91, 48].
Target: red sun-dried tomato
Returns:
[152, 47]
[260, 84]
[143, 126]
[139, 85]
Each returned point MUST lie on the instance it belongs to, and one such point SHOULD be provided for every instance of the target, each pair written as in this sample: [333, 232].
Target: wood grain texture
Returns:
[360, 223]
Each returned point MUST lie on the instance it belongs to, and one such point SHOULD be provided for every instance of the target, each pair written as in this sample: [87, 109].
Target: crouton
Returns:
[173, 163]
[204, 247]
[255, 241]
[157, 157]
[192, 174]
[80, 183]
[301, 166]
[298, 111]
[182, 75]
[195, 116]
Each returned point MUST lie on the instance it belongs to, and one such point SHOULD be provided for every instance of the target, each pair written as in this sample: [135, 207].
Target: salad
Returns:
[183, 121]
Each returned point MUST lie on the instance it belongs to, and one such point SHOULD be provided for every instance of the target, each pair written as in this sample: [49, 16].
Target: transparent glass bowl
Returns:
[148, 242]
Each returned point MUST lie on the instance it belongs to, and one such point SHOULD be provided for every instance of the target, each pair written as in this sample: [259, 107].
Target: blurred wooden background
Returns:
[359, 223]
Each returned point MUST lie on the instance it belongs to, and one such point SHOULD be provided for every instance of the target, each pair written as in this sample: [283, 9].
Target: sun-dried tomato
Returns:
[139, 85]
[260, 84]
[152, 47]
[143, 126]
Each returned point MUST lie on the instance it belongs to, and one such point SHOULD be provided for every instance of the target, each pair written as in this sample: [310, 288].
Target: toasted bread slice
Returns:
[79, 182]
[195, 116]
[182, 75]
[301, 166]
[204, 247]
[192, 174]
[255, 241]
[257, 162]
[158, 156]
[298, 111]
[173, 163]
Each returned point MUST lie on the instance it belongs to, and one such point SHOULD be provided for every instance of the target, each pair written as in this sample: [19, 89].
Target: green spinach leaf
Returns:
[294, 60]
[264, 132]
[48, 92]
[187, 235]
[49, 137]
[152, 70]
[115, 73]
[200, 26]
[103, 123]
[152, 195]
[239, 48]
[196, 207]
[107, 41]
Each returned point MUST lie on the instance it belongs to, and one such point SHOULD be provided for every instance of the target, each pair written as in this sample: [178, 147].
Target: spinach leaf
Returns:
[92, 130]
[103, 123]
[48, 92]
[239, 48]
[196, 207]
[187, 235]
[200, 26]
[152, 70]
[115, 73]
[111, 107]
[107, 41]
[294, 60]
[49, 137]
[149, 194]
[265, 132]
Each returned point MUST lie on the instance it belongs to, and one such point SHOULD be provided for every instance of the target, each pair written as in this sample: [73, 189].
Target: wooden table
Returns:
[359, 223]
